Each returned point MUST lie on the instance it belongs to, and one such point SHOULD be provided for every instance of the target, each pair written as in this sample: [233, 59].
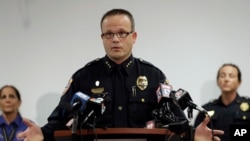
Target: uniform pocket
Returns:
[141, 107]
[241, 116]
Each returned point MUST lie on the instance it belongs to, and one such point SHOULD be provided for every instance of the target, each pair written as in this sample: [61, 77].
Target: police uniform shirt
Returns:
[141, 81]
[223, 116]
[10, 131]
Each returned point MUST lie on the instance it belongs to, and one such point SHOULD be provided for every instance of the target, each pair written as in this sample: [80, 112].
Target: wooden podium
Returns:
[124, 134]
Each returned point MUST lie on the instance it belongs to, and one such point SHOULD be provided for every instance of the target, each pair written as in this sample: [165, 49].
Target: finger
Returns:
[205, 121]
[218, 132]
[216, 138]
[21, 135]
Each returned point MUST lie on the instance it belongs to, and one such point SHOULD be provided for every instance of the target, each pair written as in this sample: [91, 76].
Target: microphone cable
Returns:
[89, 131]
[211, 126]
[93, 127]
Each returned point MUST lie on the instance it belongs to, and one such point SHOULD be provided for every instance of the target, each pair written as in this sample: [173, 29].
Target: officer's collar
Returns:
[236, 100]
[126, 65]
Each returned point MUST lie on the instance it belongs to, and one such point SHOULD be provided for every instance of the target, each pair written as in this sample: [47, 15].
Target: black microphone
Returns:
[84, 109]
[94, 109]
[169, 114]
[163, 93]
[164, 113]
[184, 100]
[77, 104]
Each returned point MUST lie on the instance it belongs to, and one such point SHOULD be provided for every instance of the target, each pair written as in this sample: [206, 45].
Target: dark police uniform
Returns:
[132, 107]
[222, 116]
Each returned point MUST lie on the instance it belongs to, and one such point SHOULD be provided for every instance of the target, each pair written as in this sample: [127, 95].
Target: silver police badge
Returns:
[142, 82]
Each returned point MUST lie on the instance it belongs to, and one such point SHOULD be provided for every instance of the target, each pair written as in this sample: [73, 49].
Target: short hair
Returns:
[114, 12]
[14, 88]
[232, 65]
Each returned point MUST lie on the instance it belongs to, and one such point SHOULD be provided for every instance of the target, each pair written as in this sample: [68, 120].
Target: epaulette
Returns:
[213, 101]
[245, 97]
[92, 62]
[145, 62]
[88, 64]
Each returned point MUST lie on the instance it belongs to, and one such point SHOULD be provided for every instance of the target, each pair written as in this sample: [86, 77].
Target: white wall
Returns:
[43, 42]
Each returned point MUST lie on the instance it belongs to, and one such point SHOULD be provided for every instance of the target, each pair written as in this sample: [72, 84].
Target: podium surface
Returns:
[113, 133]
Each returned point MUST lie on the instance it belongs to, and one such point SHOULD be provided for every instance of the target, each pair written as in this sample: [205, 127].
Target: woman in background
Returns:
[230, 108]
[11, 121]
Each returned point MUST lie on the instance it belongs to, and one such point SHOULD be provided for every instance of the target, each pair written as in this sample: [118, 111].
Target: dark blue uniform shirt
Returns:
[131, 107]
[237, 112]
[16, 126]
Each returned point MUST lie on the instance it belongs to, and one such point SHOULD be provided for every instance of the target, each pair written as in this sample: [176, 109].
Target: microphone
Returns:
[79, 101]
[94, 109]
[84, 108]
[77, 104]
[164, 113]
[169, 115]
[163, 93]
[184, 100]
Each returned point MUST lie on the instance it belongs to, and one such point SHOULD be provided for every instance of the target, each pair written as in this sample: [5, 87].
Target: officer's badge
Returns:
[142, 82]
[244, 106]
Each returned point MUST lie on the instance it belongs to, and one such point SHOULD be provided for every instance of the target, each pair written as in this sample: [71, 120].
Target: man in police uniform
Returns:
[132, 98]
[230, 108]
[130, 82]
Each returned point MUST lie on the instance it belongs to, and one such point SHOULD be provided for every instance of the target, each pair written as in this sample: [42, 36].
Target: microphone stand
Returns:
[87, 117]
[191, 127]
[74, 126]
[190, 113]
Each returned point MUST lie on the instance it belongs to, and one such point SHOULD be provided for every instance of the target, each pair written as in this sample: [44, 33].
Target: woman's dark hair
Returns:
[14, 88]
[232, 65]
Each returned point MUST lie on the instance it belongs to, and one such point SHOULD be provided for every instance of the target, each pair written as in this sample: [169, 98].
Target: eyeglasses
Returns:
[121, 34]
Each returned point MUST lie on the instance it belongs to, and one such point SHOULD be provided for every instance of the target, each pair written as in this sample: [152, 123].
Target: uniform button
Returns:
[142, 100]
[244, 117]
[119, 108]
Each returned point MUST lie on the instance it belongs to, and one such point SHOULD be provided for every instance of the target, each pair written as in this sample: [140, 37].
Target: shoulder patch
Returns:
[67, 86]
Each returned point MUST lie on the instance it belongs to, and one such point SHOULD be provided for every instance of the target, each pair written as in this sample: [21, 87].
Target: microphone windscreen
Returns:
[78, 98]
